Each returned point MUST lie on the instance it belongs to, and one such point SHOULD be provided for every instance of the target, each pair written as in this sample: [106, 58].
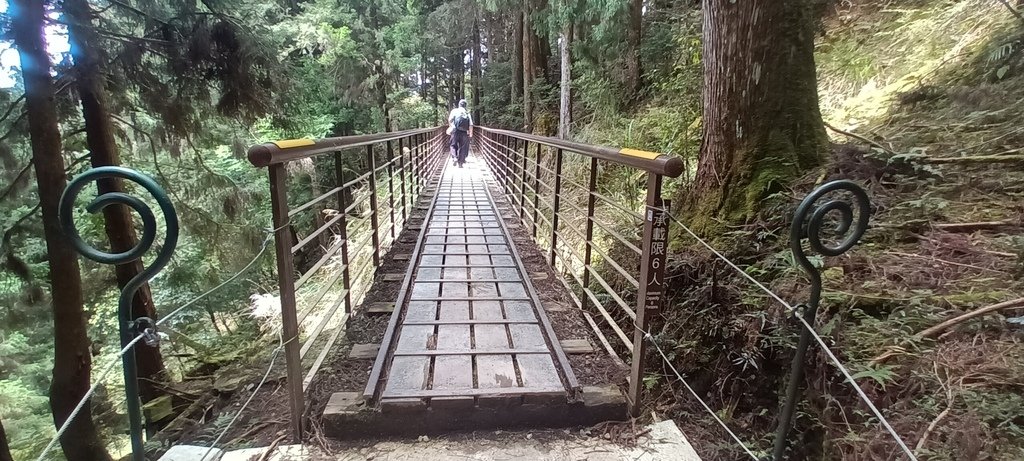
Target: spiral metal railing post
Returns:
[128, 327]
[807, 222]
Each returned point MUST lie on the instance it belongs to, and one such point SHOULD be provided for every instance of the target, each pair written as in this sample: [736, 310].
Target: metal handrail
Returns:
[517, 167]
[277, 152]
[652, 162]
[404, 173]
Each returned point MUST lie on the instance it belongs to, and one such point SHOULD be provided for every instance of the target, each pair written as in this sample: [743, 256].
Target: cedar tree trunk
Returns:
[72, 358]
[633, 37]
[565, 107]
[517, 58]
[761, 122]
[528, 63]
[476, 77]
[103, 149]
[5, 449]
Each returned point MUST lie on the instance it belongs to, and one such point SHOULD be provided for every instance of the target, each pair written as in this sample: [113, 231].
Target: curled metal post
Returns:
[128, 328]
[809, 221]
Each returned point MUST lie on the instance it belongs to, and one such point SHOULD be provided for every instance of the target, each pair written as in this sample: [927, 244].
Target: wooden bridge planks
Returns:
[479, 334]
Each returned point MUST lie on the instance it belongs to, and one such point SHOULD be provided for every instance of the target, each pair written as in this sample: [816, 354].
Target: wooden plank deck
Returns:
[471, 324]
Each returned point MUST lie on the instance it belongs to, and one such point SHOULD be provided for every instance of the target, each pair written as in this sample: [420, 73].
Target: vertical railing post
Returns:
[339, 173]
[503, 162]
[807, 223]
[374, 224]
[587, 250]
[509, 152]
[414, 159]
[285, 278]
[414, 167]
[391, 188]
[556, 202]
[652, 277]
[522, 180]
[401, 170]
[536, 191]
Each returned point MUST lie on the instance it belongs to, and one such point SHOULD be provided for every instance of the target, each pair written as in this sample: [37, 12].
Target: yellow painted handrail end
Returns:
[289, 143]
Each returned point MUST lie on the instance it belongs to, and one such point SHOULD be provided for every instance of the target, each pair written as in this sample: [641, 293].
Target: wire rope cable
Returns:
[116, 359]
[821, 342]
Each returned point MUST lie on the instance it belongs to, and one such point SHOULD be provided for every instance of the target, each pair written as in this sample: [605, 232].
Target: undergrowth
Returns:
[916, 92]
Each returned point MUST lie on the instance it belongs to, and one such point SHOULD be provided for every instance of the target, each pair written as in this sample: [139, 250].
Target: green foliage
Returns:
[881, 375]
[26, 412]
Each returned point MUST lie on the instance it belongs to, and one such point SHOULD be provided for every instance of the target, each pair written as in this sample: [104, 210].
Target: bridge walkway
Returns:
[469, 326]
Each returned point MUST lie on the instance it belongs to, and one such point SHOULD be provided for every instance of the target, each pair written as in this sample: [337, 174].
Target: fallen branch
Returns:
[998, 158]
[1019, 302]
[1013, 10]
[943, 261]
[929, 430]
[273, 446]
[860, 138]
[975, 226]
[949, 227]
[991, 252]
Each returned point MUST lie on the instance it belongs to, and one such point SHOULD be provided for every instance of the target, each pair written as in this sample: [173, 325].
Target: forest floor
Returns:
[936, 138]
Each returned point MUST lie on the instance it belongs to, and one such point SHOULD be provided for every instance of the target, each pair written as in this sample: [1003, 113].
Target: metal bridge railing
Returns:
[387, 189]
[550, 203]
[549, 208]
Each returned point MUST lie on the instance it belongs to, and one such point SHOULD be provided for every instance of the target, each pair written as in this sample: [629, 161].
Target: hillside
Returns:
[924, 102]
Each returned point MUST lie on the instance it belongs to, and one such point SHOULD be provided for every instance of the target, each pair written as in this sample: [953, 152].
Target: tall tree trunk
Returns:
[378, 68]
[460, 74]
[72, 359]
[99, 135]
[5, 449]
[381, 88]
[517, 57]
[528, 63]
[565, 106]
[435, 82]
[382, 95]
[423, 75]
[541, 49]
[634, 33]
[477, 80]
[761, 125]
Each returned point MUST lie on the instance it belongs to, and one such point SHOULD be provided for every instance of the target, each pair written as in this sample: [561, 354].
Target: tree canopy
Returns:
[762, 100]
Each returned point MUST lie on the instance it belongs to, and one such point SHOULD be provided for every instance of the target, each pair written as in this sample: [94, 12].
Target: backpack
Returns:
[462, 120]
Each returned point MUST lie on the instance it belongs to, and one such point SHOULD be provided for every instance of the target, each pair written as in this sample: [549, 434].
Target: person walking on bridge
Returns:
[461, 127]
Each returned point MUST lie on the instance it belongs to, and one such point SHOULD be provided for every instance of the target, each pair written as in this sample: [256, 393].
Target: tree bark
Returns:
[457, 77]
[541, 49]
[72, 358]
[382, 94]
[5, 449]
[528, 63]
[517, 58]
[378, 69]
[435, 82]
[634, 34]
[423, 75]
[565, 106]
[103, 152]
[476, 77]
[761, 123]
